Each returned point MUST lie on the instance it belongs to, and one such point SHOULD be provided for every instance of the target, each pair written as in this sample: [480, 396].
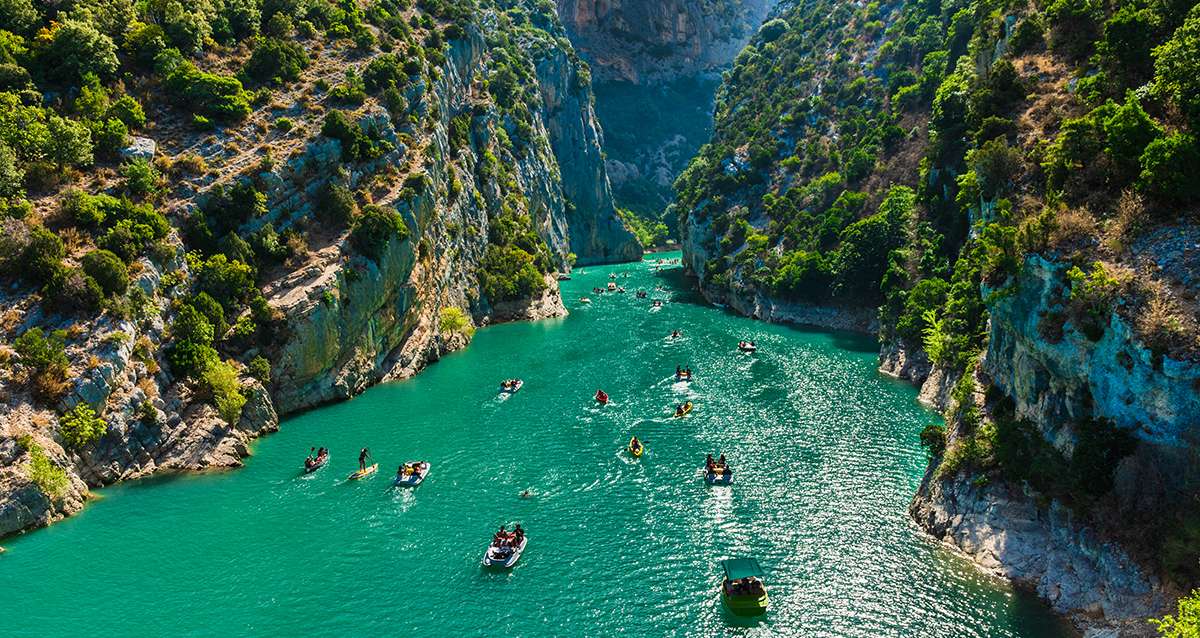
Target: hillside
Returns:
[1008, 194]
[220, 214]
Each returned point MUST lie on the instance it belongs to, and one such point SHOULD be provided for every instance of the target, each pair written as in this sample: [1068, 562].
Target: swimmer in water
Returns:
[526, 494]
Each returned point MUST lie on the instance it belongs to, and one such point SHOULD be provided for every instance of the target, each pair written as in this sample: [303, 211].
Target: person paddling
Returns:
[362, 459]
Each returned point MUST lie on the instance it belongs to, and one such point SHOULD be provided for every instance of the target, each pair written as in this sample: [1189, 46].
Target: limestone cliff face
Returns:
[343, 321]
[647, 42]
[1098, 566]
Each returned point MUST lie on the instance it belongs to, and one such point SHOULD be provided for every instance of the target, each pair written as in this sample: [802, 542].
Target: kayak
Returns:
[363, 473]
[684, 410]
[601, 397]
[747, 347]
[504, 556]
[317, 464]
[412, 479]
[512, 389]
[638, 449]
[584, 300]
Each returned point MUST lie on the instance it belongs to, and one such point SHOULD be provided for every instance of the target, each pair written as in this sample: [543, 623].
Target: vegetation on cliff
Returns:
[912, 156]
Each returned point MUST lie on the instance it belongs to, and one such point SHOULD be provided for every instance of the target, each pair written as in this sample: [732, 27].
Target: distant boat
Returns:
[511, 386]
[564, 277]
[742, 589]
[601, 397]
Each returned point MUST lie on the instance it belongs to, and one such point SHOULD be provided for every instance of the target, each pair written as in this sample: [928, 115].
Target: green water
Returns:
[825, 458]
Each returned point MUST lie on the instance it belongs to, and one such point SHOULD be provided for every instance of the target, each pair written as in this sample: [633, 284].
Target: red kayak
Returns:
[601, 397]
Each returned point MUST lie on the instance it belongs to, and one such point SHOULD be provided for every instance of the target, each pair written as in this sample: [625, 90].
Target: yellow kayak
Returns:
[684, 409]
[363, 473]
[635, 447]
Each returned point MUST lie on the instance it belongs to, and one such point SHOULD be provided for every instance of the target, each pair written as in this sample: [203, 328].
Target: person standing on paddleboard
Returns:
[362, 458]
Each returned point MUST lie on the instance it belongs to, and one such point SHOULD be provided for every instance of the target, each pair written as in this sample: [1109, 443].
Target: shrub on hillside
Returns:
[336, 205]
[276, 61]
[108, 270]
[222, 380]
[77, 49]
[1168, 168]
[81, 427]
[375, 228]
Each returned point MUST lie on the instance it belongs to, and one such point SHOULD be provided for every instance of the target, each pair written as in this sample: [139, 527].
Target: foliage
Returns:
[108, 270]
[221, 378]
[375, 228]
[1168, 168]
[230, 282]
[217, 96]
[509, 273]
[276, 61]
[77, 49]
[335, 204]
[260, 368]
[453, 320]
[80, 426]
[44, 353]
[1186, 621]
[933, 439]
[356, 145]
[49, 478]
[1177, 67]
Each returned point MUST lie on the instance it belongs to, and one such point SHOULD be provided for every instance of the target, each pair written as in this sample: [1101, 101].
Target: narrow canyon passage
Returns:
[824, 450]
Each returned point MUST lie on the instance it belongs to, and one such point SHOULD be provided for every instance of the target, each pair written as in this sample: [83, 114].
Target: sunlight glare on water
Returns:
[825, 456]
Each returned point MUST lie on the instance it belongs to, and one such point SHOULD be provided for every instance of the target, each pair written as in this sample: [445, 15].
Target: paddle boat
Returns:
[683, 375]
[675, 334]
[620, 288]
[612, 287]
[717, 472]
[510, 386]
[360, 474]
[657, 304]
[601, 397]
[742, 589]
[411, 474]
[641, 294]
[635, 447]
[505, 549]
[584, 300]
[314, 463]
[612, 275]
[747, 346]
[683, 410]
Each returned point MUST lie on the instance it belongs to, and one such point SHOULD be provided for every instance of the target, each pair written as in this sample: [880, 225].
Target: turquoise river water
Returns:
[824, 450]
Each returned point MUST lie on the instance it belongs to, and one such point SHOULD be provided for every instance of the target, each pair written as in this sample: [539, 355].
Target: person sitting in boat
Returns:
[500, 535]
[362, 459]
[518, 534]
[674, 334]
[709, 463]
[678, 370]
[721, 461]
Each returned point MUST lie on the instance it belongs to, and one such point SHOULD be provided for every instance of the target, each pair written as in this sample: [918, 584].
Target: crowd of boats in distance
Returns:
[742, 589]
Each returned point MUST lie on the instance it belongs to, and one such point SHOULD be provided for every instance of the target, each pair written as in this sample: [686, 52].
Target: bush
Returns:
[127, 109]
[260, 369]
[1177, 68]
[12, 175]
[231, 283]
[336, 205]
[48, 477]
[77, 49]
[1186, 621]
[803, 275]
[356, 145]
[1168, 166]
[384, 71]
[42, 256]
[375, 228]
[43, 353]
[276, 61]
[933, 439]
[72, 290]
[81, 427]
[453, 320]
[927, 294]
[217, 96]
[508, 273]
[212, 312]
[69, 143]
[190, 359]
[141, 178]
[108, 270]
[222, 380]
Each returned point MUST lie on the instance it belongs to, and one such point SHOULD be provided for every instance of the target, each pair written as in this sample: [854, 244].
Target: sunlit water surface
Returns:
[825, 455]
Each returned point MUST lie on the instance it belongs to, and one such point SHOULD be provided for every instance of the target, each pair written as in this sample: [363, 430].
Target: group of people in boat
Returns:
[681, 372]
[510, 385]
[749, 586]
[408, 469]
[505, 539]
[718, 467]
[316, 458]
[675, 334]
[746, 345]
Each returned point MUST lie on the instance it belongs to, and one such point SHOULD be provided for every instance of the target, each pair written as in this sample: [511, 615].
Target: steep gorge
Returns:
[464, 166]
[986, 185]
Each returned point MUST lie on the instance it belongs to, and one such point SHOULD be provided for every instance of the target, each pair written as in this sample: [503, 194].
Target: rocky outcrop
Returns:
[343, 320]
[1045, 548]
[647, 42]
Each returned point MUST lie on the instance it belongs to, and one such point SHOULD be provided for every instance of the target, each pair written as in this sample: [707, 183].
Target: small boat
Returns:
[641, 294]
[564, 277]
[635, 447]
[747, 346]
[612, 287]
[718, 473]
[504, 553]
[675, 334]
[313, 464]
[601, 397]
[411, 474]
[683, 376]
[742, 589]
[657, 304]
[683, 410]
[620, 289]
[584, 300]
[612, 275]
[360, 474]
[511, 386]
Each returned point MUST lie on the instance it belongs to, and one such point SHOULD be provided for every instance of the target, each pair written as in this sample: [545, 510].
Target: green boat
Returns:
[743, 590]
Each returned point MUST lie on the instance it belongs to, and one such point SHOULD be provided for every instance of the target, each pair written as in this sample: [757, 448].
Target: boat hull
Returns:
[746, 605]
[412, 480]
[491, 560]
